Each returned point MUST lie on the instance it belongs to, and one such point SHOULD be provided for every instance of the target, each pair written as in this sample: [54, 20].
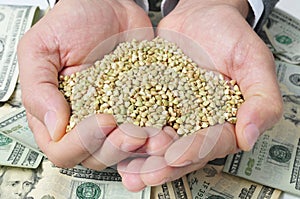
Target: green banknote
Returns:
[211, 182]
[275, 158]
[81, 183]
[17, 145]
[177, 189]
[14, 22]
[16, 154]
[283, 32]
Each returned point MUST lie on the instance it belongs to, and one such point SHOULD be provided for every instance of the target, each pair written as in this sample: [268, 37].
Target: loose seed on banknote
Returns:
[152, 83]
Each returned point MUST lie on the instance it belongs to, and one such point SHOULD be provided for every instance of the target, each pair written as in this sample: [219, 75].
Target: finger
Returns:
[93, 130]
[119, 145]
[263, 105]
[202, 146]
[38, 65]
[130, 172]
[159, 140]
[153, 171]
[139, 172]
[93, 163]
[76, 145]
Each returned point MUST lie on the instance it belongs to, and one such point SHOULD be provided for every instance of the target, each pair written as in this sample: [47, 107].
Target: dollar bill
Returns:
[275, 158]
[81, 183]
[16, 154]
[15, 126]
[14, 22]
[283, 32]
[13, 104]
[18, 147]
[177, 189]
[211, 182]
[288, 76]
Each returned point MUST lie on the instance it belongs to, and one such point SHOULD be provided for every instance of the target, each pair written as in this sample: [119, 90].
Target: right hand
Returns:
[60, 43]
[220, 28]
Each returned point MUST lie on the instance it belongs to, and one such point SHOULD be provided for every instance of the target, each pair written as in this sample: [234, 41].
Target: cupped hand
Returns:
[236, 51]
[63, 42]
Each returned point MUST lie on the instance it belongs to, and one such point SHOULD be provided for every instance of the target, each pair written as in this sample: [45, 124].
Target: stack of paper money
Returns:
[271, 166]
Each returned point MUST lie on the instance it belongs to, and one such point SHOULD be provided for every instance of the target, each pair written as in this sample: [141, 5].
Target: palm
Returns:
[77, 28]
[61, 42]
[235, 51]
[220, 38]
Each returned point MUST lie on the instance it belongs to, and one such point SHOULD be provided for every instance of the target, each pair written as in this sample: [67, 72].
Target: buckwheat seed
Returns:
[152, 83]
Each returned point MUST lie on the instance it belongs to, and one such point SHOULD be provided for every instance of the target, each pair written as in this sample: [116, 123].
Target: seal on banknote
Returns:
[280, 153]
[88, 190]
[295, 79]
[4, 140]
[283, 39]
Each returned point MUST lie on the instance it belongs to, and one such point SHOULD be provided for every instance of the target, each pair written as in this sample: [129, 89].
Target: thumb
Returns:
[263, 103]
[39, 84]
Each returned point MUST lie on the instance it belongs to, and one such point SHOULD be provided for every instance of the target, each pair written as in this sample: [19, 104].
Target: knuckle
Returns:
[60, 161]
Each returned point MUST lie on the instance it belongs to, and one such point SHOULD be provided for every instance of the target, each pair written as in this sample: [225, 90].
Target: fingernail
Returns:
[171, 132]
[165, 180]
[251, 133]
[125, 147]
[186, 163]
[50, 121]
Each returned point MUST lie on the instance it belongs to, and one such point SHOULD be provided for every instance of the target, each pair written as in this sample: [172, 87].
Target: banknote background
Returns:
[293, 8]
[209, 182]
[290, 6]
[14, 22]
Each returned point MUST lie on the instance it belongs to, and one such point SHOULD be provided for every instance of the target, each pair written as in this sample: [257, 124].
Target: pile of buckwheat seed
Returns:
[152, 83]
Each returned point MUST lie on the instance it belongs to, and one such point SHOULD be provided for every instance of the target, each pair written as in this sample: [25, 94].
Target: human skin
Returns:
[236, 51]
[16, 185]
[54, 46]
[63, 42]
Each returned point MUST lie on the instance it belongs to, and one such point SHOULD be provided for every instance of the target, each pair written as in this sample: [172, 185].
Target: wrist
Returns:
[241, 5]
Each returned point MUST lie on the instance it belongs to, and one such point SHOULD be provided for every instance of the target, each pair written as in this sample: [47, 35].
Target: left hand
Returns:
[64, 41]
[237, 52]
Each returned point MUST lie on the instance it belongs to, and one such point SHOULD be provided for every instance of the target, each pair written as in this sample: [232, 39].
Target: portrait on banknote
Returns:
[17, 182]
[292, 109]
